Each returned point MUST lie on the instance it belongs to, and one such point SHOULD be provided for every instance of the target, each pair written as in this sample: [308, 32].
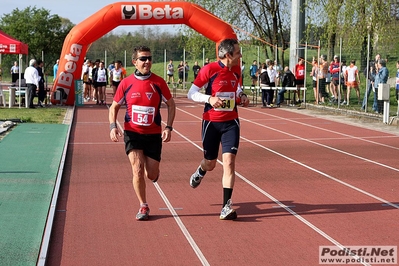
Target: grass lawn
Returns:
[48, 115]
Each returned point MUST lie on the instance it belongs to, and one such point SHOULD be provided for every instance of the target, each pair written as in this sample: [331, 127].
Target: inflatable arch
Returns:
[129, 13]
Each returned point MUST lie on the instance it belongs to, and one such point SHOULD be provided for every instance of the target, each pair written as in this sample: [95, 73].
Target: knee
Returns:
[209, 165]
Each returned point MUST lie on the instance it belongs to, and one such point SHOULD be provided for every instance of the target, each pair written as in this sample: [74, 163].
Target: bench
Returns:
[258, 89]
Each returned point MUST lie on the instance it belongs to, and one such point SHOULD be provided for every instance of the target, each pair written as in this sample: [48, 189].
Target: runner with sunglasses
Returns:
[142, 93]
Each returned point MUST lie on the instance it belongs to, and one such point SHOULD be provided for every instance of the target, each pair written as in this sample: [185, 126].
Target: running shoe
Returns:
[195, 179]
[227, 212]
[143, 214]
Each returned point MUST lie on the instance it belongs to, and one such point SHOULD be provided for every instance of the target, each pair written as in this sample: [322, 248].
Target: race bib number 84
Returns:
[143, 115]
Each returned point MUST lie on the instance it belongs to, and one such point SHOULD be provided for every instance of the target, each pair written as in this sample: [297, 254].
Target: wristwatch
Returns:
[170, 128]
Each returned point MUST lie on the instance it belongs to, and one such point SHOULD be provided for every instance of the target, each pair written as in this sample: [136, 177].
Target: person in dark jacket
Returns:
[287, 81]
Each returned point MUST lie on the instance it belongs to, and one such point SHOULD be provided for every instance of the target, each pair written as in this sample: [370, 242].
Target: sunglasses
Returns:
[144, 58]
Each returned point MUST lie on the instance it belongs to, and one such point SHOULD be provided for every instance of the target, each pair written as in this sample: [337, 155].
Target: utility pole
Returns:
[297, 31]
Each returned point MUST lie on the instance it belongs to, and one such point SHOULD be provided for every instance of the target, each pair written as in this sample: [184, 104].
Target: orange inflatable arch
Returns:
[129, 13]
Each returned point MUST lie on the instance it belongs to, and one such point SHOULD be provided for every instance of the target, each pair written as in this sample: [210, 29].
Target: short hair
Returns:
[226, 47]
[324, 57]
[383, 62]
[32, 62]
[139, 49]
[39, 61]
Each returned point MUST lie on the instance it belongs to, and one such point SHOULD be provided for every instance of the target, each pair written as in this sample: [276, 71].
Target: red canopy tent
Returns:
[9, 45]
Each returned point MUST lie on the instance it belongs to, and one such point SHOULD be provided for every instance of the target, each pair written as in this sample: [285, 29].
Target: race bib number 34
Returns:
[229, 101]
[143, 115]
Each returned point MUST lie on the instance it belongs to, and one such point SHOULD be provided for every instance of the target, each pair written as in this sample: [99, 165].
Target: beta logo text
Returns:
[145, 12]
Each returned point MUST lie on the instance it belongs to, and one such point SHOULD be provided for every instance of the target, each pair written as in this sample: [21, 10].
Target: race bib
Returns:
[229, 101]
[117, 76]
[143, 115]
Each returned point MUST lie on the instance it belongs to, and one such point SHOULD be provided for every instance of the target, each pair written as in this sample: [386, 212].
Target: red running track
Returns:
[302, 182]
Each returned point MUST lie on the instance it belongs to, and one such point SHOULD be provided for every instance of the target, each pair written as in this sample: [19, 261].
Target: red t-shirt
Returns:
[300, 71]
[143, 96]
[222, 82]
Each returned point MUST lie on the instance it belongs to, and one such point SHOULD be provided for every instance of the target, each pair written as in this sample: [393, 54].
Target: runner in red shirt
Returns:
[220, 119]
[142, 93]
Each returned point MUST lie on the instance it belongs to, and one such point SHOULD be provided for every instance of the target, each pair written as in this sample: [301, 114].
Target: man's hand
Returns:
[244, 100]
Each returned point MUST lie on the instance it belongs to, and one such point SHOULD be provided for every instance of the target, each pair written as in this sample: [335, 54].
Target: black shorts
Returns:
[116, 83]
[299, 81]
[335, 81]
[100, 84]
[214, 133]
[150, 144]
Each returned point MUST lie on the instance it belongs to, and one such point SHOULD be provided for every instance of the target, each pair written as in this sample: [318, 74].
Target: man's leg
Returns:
[137, 162]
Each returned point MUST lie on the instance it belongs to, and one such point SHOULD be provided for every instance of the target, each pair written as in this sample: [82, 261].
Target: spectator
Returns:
[242, 72]
[323, 71]
[206, 61]
[272, 73]
[334, 71]
[264, 83]
[116, 76]
[381, 75]
[186, 69]
[32, 81]
[370, 81]
[94, 78]
[180, 70]
[397, 81]
[196, 69]
[55, 69]
[344, 87]
[85, 79]
[101, 81]
[288, 80]
[352, 80]
[314, 74]
[41, 90]
[170, 72]
[253, 70]
[299, 72]
[15, 68]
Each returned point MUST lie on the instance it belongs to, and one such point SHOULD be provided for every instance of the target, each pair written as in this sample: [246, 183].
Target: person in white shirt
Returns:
[32, 81]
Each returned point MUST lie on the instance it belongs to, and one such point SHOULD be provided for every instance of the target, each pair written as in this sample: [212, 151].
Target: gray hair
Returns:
[226, 47]
[32, 62]
[383, 62]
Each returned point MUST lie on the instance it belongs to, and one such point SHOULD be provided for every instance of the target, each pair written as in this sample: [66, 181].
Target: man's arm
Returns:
[166, 133]
[112, 116]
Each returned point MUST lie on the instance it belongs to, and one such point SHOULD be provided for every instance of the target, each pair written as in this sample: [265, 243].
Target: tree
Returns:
[39, 29]
[353, 21]
[266, 20]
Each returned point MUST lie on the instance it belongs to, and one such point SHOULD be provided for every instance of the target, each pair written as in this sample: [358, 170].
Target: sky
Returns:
[72, 10]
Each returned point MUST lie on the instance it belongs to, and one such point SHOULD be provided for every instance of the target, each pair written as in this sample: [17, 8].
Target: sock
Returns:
[201, 172]
[227, 192]
[144, 205]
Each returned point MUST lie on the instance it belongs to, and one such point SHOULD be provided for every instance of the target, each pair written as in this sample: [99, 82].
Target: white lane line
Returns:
[285, 207]
[182, 227]
[179, 222]
[324, 174]
[331, 131]
[323, 145]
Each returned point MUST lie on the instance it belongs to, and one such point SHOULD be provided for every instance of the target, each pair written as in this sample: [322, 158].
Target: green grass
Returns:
[48, 115]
